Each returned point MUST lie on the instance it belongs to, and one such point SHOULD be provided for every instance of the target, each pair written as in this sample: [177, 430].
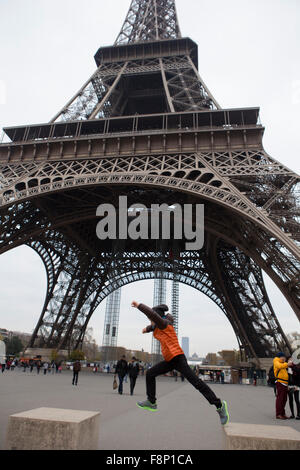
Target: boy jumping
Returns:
[164, 332]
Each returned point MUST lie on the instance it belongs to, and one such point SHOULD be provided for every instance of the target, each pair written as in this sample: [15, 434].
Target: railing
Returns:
[138, 124]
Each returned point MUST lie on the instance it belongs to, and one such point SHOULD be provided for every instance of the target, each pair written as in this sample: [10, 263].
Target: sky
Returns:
[248, 57]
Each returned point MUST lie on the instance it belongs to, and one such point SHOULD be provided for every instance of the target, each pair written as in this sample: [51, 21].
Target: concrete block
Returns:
[53, 429]
[240, 436]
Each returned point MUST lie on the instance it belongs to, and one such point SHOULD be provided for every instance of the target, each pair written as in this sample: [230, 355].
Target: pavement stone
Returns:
[184, 420]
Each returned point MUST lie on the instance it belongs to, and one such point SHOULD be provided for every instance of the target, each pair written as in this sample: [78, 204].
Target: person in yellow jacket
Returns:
[282, 379]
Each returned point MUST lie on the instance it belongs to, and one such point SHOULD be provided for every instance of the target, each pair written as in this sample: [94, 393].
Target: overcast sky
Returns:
[248, 56]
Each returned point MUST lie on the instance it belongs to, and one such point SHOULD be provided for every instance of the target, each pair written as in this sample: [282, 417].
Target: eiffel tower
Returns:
[145, 125]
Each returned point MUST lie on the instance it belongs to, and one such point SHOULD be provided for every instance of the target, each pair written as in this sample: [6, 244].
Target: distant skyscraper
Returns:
[185, 344]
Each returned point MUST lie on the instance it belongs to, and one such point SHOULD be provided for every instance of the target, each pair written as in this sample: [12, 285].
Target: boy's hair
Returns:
[161, 309]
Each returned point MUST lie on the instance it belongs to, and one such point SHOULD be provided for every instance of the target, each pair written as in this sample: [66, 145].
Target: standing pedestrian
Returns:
[271, 381]
[164, 332]
[121, 370]
[293, 389]
[222, 377]
[282, 379]
[45, 367]
[255, 378]
[133, 372]
[76, 370]
[38, 365]
[240, 377]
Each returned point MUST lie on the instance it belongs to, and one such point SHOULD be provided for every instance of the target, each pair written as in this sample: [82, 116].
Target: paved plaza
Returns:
[185, 421]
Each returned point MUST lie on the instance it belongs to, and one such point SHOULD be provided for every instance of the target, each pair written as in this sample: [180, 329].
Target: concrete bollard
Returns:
[240, 436]
[53, 429]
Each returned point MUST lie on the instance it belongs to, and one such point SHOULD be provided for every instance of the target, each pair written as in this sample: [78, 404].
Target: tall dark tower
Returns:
[145, 125]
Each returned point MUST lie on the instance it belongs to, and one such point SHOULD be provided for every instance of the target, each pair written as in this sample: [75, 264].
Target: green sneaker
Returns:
[147, 405]
[223, 413]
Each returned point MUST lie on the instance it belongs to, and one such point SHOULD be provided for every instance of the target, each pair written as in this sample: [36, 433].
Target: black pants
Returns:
[75, 377]
[180, 364]
[132, 383]
[293, 394]
[121, 378]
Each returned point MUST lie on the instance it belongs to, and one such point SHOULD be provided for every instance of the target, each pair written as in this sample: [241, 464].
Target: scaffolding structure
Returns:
[159, 297]
[175, 303]
[111, 323]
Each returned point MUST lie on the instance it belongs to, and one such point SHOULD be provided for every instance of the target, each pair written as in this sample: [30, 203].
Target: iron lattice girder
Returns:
[149, 20]
[203, 172]
[249, 298]
[191, 269]
[237, 232]
[192, 169]
[106, 92]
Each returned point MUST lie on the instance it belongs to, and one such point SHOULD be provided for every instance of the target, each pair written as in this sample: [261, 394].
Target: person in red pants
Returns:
[282, 379]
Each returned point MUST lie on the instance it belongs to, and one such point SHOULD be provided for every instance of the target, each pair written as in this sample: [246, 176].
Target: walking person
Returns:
[121, 370]
[293, 389]
[45, 367]
[255, 378]
[164, 332]
[271, 381]
[38, 366]
[282, 379]
[133, 372]
[76, 370]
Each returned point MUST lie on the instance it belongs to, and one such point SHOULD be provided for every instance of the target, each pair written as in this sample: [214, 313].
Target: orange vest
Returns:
[169, 342]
